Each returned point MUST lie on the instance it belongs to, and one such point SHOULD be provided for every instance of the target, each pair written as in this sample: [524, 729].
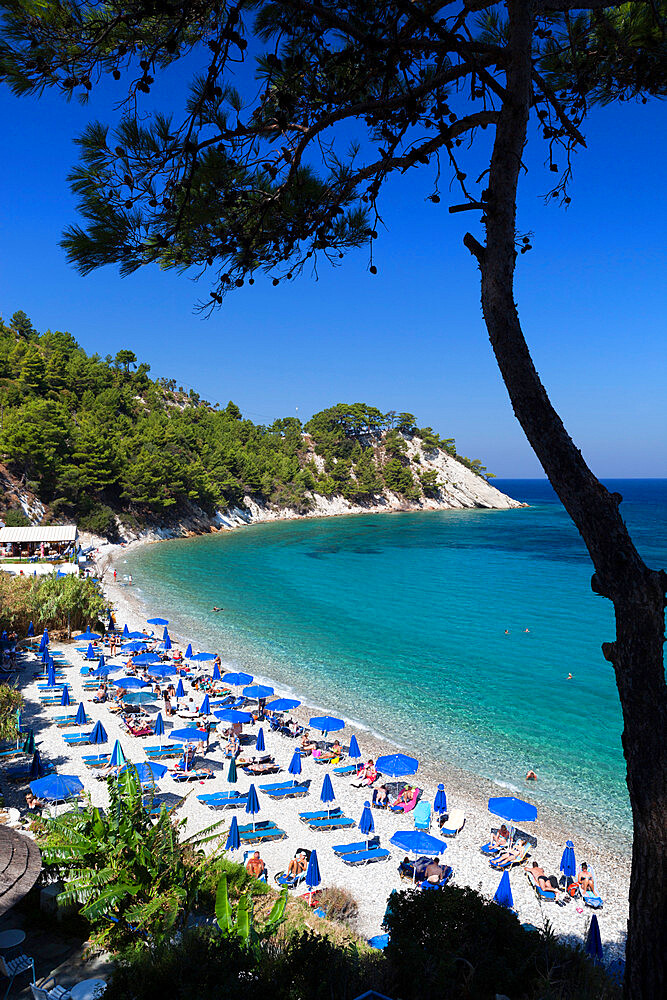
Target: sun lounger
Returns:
[517, 860]
[359, 858]
[166, 751]
[543, 895]
[257, 770]
[331, 823]
[453, 824]
[361, 845]
[414, 870]
[422, 816]
[10, 752]
[346, 769]
[406, 807]
[76, 739]
[194, 774]
[264, 830]
[308, 817]
[95, 761]
[66, 721]
[285, 790]
[447, 873]
[224, 800]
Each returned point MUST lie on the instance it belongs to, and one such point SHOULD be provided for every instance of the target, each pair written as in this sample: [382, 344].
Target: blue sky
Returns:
[591, 297]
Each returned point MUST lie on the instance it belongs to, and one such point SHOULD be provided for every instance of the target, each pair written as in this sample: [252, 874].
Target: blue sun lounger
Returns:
[164, 752]
[309, 817]
[285, 790]
[331, 823]
[359, 858]
[96, 760]
[224, 800]
[63, 721]
[263, 830]
[360, 845]
[346, 769]
[76, 739]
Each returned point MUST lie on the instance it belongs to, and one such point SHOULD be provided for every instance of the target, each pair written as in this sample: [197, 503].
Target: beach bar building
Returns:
[55, 543]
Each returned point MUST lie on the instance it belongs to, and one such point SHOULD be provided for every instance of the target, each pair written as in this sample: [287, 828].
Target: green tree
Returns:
[20, 324]
[125, 358]
[33, 369]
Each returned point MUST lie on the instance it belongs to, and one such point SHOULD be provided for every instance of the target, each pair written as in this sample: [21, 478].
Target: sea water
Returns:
[451, 633]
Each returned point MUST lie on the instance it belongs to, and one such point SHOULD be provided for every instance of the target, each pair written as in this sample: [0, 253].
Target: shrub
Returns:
[339, 904]
[15, 517]
[100, 520]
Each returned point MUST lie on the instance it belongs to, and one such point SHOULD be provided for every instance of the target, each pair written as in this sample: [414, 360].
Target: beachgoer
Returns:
[216, 609]
[526, 630]
[382, 797]
[507, 631]
[586, 881]
[255, 865]
[298, 864]
[512, 854]
[569, 677]
[500, 837]
[33, 802]
[531, 776]
[114, 576]
[130, 579]
[366, 777]
[307, 746]
[433, 872]
[549, 883]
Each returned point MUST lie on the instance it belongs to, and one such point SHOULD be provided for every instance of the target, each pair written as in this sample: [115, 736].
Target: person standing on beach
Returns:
[114, 576]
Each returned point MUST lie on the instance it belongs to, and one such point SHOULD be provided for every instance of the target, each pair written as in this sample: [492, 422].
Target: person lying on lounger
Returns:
[255, 865]
[404, 797]
[307, 746]
[366, 776]
[501, 837]
[548, 883]
[297, 865]
[511, 854]
[261, 767]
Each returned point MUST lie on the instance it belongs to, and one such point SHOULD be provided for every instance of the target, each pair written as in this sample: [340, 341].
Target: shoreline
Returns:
[470, 792]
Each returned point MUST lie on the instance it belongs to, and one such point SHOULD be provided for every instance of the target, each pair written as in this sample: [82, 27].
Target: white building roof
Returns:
[54, 533]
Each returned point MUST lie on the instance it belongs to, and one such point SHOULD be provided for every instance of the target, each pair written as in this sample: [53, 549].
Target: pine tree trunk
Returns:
[637, 593]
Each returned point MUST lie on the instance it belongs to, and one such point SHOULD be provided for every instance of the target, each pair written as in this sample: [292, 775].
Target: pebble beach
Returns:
[370, 885]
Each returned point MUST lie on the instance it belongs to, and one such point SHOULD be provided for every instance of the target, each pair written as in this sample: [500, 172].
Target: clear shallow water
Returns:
[398, 622]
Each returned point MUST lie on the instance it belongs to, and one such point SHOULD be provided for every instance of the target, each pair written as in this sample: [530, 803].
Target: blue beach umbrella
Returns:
[90, 652]
[44, 641]
[142, 636]
[231, 773]
[31, 630]
[568, 864]
[157, 621]
[514, 810]
[282, 705]
[56, 787]
[161, 670]
[233, 715]
[313, 877]
[148, 772]
[99, 734]
[327, 794]
[237, 679]
[117, 758]
[45, 655]
[295, 765]
[103, 670]
[503, 894]
[51, 675]
[126, 631]
[418, 842]
[165, 634]
[133, 646]
[440, 800]
[139, 697]
[180, 690]
[131, 683]
[158, 728]
[87, 636]
[257, 691]
[594, 942]
[65, 698]
[187, 735]
[36, 767]
[216, 673]
[154, 664]
[188, 651]
[354, 752]
[396, 765]
[166, 641]
[260, 744]
[233, 838]
[202, 657]
[80, 717]
[367, 823]
[252, 805]
[205, 708]
[326, 723]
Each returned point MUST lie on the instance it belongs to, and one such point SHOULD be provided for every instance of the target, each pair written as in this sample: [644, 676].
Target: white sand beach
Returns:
[372, 884]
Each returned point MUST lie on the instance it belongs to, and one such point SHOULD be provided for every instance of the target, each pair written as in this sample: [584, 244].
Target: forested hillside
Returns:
[96, 437]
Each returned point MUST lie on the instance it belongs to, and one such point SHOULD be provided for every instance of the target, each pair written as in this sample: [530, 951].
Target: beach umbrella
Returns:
[65, 698]
[148, 772]
[231, 773]
[327, 794]
[354, 752]
[102, 662]
[188, 651]
[282, 705]
[257, 691]
[56, 787]
[44, 641]
[202, 657]
[157, 621]
[31, 630]
[117, 758]
[514, 810]
[180, 690]
[165, 634]
[152, 660]
[139, 697]
[260, 745]
[252, 805]
[51, 675]
[133, 646]
[158, 728]
[396, 765]
[418, 842]
[80, 717]
[130, 683]
[90, 652]
[143, 636]
[295, 765]
[503, 894]
[233, 838]
[594, 942]
[313, 877]
[233, 715]
[87, 636]
[326, 723]
[162, 670]
[216, 673]
[126, 631]
[568, 865]
[187, 735]
[205, 708]
[440, 801]
[103, 670]
[29, 743]
[237, 679]
[36, 767]
[98, 735]
[367, 823]
[45, 655]
[166, 643]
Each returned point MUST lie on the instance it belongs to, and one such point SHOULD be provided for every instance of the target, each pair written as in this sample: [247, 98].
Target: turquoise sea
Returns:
[397, 621]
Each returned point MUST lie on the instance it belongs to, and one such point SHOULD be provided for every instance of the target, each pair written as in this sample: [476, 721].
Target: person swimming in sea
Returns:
[531, 776]
[216, 609]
